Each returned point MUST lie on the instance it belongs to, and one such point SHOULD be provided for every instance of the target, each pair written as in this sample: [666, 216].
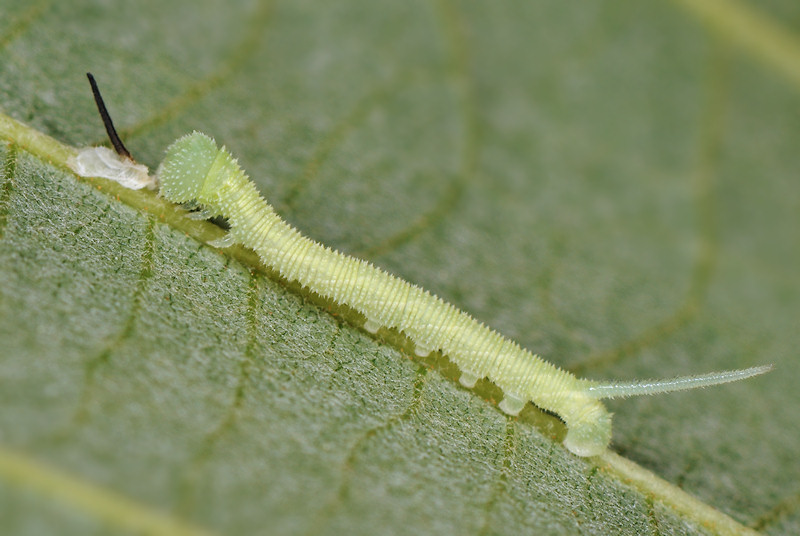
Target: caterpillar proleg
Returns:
[196, 170]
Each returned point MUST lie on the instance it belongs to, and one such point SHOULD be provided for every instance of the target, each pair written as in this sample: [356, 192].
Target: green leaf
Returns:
[615, 187]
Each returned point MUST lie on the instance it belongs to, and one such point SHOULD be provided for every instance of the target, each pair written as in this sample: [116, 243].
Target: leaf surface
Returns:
[614, 187]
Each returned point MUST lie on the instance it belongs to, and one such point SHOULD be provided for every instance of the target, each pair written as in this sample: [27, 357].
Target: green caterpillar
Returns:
[195, 170]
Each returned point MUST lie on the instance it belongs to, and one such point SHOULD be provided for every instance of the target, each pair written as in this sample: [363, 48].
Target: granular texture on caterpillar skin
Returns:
[196, 170]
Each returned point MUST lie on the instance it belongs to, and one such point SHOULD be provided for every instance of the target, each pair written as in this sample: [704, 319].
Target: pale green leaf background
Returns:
[613, 184]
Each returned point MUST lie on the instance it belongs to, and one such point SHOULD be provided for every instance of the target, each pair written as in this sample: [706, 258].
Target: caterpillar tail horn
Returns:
[652, 387]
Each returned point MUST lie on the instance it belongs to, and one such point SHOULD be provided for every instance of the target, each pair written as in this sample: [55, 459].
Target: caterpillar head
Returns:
[184, 172]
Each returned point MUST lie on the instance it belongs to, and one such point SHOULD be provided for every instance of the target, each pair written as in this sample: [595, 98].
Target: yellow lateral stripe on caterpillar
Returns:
[196, 170]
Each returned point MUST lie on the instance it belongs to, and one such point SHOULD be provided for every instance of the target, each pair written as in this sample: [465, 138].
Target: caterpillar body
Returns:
[196, 170]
